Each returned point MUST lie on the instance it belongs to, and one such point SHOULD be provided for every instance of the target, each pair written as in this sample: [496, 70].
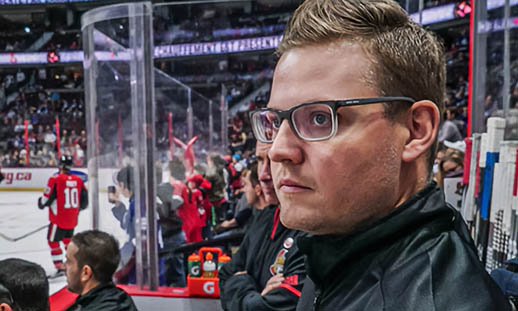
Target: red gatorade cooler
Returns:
[207, 285]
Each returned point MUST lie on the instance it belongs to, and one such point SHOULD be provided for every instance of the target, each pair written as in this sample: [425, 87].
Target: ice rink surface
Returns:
[19, 216]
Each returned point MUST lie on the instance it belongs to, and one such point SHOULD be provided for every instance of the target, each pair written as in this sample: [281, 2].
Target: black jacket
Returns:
[420, 257]
[106, 298]
[167, 208]
[268, 248]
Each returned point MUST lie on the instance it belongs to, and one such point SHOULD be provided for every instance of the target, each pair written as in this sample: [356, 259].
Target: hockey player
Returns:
[65, 196]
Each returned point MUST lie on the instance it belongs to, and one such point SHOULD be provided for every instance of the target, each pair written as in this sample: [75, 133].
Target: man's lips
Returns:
[291, 186]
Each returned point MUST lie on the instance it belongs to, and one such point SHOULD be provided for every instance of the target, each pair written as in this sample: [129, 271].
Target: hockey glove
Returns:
[40, 203]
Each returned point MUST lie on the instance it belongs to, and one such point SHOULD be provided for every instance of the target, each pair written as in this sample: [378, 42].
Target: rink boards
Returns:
[19, 215]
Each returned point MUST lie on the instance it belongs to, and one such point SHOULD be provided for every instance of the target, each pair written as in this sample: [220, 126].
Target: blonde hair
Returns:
[407, 60]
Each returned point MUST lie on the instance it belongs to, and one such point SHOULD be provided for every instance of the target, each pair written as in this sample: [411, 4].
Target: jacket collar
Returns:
[93, 294]
[325, 252]
[273, 211]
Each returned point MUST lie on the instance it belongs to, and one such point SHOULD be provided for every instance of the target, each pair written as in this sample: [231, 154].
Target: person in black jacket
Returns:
[267, 273]
[170, 223]
[92, 258]
[252, 201]
[352, 121]
[23, 286]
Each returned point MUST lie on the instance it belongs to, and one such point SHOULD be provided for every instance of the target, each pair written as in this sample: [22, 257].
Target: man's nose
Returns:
[265, 174]
[286, 145]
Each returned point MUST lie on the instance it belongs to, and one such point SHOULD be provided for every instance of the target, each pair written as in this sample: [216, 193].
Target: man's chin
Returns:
[296, 218]
[72, 290]
[271, 198]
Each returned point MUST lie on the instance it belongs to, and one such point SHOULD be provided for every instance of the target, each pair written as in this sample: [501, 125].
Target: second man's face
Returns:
[264, 173]
[73, 272]
[249, 191]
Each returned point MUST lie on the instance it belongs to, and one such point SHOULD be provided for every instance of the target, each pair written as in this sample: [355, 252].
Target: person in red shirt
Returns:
[65, 196]
[198, 211]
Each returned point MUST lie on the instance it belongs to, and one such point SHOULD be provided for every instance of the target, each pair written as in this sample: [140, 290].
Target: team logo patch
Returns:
[288, 243]
[292, 280]
[278, 265]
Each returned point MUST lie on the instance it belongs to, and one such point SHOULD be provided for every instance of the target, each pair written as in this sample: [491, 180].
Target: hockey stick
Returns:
[23, 235]
[495, 134]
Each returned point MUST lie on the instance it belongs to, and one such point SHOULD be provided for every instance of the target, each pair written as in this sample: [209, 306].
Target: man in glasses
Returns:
[352, 122]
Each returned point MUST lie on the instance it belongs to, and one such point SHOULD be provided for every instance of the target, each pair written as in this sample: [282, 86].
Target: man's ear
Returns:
[258, 190]
[5, 307]
[86, 273]
[423, 121]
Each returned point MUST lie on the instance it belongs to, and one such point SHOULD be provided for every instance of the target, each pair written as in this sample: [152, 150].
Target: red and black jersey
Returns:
[268, 248]
[65, 195]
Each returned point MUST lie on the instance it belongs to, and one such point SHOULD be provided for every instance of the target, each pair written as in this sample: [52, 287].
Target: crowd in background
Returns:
[32, 101]
[200, 25]
[195, 25]
[40, 96]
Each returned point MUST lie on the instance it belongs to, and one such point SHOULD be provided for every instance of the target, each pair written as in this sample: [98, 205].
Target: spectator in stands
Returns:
[187, 212]
[461, 95]
[196, 200]
[2, 96]
[49, 137]
[172, 233]
[514, 97]
[254, 199]
[23, 286]
[126, 217]
[449, 129]
[216, 176]
[490, 106]
[268, 270]
[205, 187]
[353, 168]
[82, 141]
[451, 165]
[92, 258]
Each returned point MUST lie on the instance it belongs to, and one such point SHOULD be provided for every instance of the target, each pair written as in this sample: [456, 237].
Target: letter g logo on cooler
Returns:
[209, 288]
[195, 270]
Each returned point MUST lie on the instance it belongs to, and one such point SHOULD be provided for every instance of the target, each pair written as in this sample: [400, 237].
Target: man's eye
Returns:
[273, 120]
[320, 119]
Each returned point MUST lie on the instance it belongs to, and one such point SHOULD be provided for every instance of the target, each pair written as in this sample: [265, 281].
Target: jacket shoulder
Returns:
[430, 277]
[110, 299]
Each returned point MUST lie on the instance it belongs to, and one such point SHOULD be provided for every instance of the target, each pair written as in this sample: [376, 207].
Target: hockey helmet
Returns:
[66, 162]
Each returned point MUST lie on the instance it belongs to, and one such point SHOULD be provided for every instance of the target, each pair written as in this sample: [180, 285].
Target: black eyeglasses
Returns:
[310, 121]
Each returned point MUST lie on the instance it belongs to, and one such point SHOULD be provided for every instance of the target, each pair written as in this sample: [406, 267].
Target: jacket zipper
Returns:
[316, 301]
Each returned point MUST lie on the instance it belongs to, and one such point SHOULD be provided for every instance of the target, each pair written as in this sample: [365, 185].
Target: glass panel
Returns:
[494, 58]
[120, 117]
[212, 62]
